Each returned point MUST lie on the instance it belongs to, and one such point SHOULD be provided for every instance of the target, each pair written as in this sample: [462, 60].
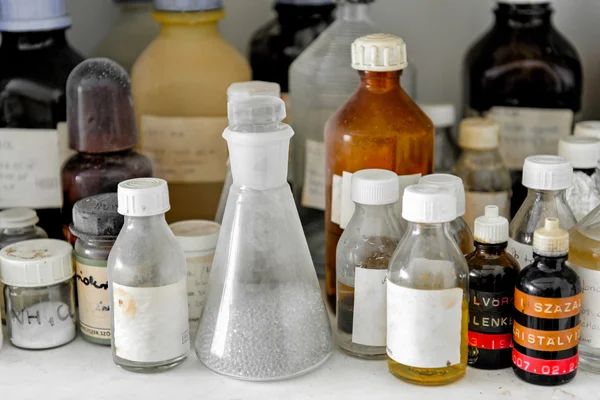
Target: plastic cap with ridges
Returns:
[588, 129]
[18, 218]
[379, 52]
[196, 235]
[256, 110]
[478, 134]
[33, 15]
[36, 263]
[491, 228]
[428, 204]
[242, 90]
[551, 240]
[581, 151]
[143, 197]
[443, 115]
[187, 5]
[375, 187]
[452, 182]
[547, 173]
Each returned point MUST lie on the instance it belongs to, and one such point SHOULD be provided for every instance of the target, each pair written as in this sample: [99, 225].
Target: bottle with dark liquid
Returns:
[524, 74]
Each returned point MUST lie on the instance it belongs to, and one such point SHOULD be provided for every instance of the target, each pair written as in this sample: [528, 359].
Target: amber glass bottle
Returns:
[380, 126]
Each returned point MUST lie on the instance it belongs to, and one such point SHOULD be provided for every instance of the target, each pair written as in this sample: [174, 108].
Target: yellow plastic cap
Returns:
[479, 134]
[551, 240]
[380, 52]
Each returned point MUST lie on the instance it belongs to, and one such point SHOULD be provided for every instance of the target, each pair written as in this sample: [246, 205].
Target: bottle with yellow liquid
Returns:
[427, 292]
[180, 91]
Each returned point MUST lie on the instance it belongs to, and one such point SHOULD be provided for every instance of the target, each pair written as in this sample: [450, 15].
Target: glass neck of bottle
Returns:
[546, 263]
[517, 16]
[379, 82]
[371, 211]
[491, 249]
[432, 231]
[353, 12]
[143, 225]
[97, 241]
[546, 196]
[17, 231]
[31, 41]
[188, 24]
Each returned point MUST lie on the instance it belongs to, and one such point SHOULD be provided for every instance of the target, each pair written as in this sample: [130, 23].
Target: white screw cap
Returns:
[581, 151]
[550, 240]
[479, 134]
[379, 52]
[375, 187]
[256, 110]
[587, 128]
[443, 115]
[36, 263]
[491, 228]
[33, 15]
[428, 204]
[452, 182]
[547, 173]
[241, 90]
[18, 218]
[196, 235]
[143, 197]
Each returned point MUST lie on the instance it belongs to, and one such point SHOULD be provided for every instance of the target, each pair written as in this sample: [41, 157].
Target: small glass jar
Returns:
[39, 293]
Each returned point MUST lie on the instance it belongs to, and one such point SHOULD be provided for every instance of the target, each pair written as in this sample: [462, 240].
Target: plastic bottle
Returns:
[363, 255]
[492, 277]
[547, 179]
[179, 88]
[264, 318]
[427, 293]
[480, 166]
[548, 304]
[443, 116]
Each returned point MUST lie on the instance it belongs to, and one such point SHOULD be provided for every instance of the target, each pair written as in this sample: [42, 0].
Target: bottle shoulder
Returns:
[491, 272]
[537, 281]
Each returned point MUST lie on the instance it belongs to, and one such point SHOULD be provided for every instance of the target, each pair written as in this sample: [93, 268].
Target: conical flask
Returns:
[264, 318]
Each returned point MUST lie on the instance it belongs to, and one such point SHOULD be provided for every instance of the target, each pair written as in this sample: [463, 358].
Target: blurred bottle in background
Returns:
[443, 116]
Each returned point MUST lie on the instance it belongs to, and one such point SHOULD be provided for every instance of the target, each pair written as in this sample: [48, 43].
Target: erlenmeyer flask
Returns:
[264, 318]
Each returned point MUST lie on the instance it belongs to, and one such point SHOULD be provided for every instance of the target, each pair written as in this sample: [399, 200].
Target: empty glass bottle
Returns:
[443, 116]
[264, 318]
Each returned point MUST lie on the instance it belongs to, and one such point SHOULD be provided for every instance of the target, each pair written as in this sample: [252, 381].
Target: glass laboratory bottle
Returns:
[524, 74]
[363, 255]
[583, 195]
[547, 179]
[547, 309]
[458, 227]
[102, 130]
[36, 61]
[132, 33]
[179, 87]
[480, 166]
[427, 293]
[446, 151]
[492, 277]
[380, 126]
[147, 282]
[264, 317]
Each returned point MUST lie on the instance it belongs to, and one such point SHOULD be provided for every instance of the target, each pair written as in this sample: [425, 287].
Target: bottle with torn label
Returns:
[547, 310]
[547, 179]
[480, 166]
[380, 126]
[147, 282]
[264, 318]
[526, 75]
[443, 116]
[458, 227]
[583, 195]
[492, 276]
[363, 254]
[179, 88]
[427, 293]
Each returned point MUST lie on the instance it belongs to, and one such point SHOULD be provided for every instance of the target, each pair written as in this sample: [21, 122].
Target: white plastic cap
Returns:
[588, 129]
[547, 173]
[581, 151]
[451, 182]
[143, 197]
[196, 235]
[33, 15]
[443, 115]
[242, 90]
[491, 228]
[478, 134]
[375, 187]
[427, 204]
[256, 110]
[35, 263]
[550, 240]
[18, 218]
[379, 52]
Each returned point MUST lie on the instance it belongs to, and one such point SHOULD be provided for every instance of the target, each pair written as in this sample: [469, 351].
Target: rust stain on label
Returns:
[125, 303]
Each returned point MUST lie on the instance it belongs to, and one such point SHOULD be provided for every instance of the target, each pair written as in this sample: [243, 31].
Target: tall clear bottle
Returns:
[547, 179]
[264, 318]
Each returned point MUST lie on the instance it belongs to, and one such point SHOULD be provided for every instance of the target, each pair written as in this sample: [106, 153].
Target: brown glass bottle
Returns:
[380, 126]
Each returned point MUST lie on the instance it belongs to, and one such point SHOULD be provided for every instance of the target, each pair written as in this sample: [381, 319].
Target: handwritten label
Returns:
[590, 306]
[523, 253]
[198, 271]
[94, 301]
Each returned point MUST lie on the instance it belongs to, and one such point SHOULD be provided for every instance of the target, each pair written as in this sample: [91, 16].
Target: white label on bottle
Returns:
[64, 150]
[369, 320]
[477, 201]
[590, 306]
[92, 292]
[424, 326]
[336, 199]
[522, 252]
[185, 149]
[30, 168]
[529, 131]
[198, 270]
[151, 324]
[313, 191]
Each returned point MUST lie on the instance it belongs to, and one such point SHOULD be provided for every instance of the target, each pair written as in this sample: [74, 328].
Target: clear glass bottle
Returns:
[362, 258]
[458, 228]
[590, 129]
[443, 116]
[547, 179]
[486, 178]
[147, 282]
[427, 293]
[264, 317]
[583, 195]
